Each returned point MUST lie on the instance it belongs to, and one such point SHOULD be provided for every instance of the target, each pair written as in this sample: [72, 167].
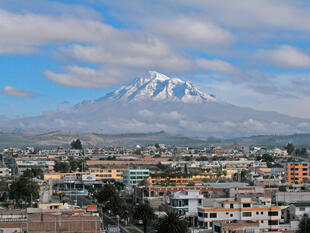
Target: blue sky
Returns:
[249, 53]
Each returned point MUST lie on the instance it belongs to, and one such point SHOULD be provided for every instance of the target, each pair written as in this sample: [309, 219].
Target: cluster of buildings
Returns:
[216, 189]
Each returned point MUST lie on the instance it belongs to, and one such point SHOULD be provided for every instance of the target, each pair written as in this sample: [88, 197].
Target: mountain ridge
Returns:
[158, 87]
[151, 104]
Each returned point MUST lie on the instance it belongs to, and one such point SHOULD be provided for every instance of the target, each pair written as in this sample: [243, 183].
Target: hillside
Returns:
[64, 138]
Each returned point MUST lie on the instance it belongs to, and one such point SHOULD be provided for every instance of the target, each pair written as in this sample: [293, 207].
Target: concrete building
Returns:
[28, 164]
[35, 220]
[244, 209]
[299, 209]
[135, 176]
[285, 198]
[98, 173]
[242, 226]
[186, 203]
[297, 172]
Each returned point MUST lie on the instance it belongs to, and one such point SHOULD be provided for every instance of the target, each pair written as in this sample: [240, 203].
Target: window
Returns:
[302, 208]
[227, 213]
[273, 213]
[231, 215]
[273, 222]
[262, 213]
[305, 169]
[200, 214]
[262, 221]
[246, 214]
[257, 213]
[213, 215]
[205, 215]
[246, 205]
[304, 174]
[231, 206]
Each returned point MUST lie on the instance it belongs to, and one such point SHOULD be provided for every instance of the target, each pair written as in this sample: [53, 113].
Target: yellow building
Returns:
[55, 206]
[100, 173]
[180, 180]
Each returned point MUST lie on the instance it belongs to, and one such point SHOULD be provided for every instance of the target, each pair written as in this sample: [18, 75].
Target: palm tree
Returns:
[145, 213]
[304, 225]
[171, 223]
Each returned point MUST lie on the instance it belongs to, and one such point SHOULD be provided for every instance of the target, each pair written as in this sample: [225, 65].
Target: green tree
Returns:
[301, 152]
[171, 223]
[112, 201]
[304, 225]
[73, 164]
[267, 158]
[290, 148]
[145, 213]
[106, 193]
[76, 144]
[24, 189]
[81, 163]
[61, 167]
[244, 175]
[34, 172]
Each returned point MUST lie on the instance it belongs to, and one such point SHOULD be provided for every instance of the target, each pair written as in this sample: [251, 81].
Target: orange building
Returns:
[297, 172]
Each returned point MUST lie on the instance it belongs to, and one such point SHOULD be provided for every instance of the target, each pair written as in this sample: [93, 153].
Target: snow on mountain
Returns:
[155, 102]
[158, 87]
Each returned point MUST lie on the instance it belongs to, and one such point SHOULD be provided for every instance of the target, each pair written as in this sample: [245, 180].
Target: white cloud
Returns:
[217, 65]
[192, 32]
[11, 91]
[85, 77]
[145, 113]
[28, 29]
[171, 116]
[285, 56]
[258, 14]
[145, 53]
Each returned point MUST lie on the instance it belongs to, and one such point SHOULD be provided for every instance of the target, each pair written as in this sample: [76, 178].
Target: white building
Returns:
[299, 209]
[186, 203]
[244, 209]
[5, 172]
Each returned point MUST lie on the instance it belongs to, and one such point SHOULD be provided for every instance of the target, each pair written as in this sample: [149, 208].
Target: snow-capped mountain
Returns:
[158, 87]
[155, 102]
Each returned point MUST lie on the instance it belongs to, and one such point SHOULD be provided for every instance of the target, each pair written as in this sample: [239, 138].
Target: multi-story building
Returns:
[297, 172]
[135, 176]
[35, 220]
[99, 173]
[186, 203]
[268, 217]
[28, 164]
[103, 173]
[166, 180]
